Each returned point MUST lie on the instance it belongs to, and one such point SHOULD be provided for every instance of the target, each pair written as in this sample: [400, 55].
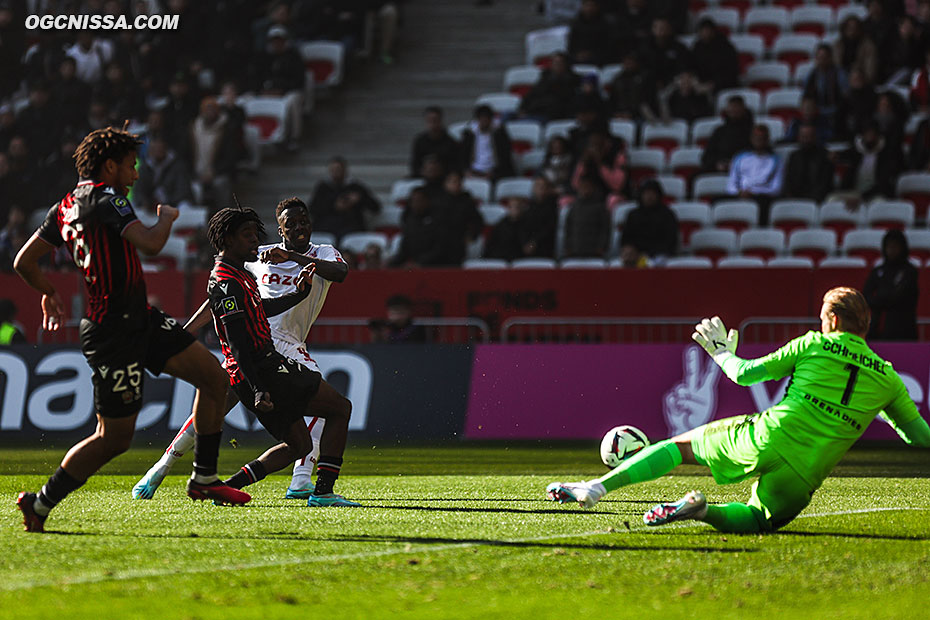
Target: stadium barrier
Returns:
[445, 392]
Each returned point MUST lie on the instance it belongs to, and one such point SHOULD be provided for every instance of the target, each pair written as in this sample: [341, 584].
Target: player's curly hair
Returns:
[851, 307]
[290, 203]
[101, 145]
[226, 221]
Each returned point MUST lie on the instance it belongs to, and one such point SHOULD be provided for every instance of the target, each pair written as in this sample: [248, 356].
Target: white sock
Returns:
[303, 468]
[180, 445]
[40, 508]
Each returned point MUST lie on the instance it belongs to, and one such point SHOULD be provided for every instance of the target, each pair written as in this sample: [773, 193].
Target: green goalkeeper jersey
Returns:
[837, 387]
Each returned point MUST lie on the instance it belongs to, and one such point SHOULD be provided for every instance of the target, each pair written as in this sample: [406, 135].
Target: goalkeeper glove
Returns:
[714, 338]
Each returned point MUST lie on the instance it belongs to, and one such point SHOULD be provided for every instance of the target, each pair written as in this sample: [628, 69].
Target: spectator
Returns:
[70, 96]
[558, 164]
[486, 147]
[181, 109]
[27, 187]
[637, 23]
[542, 219]
[685, 98]
[7, 186]
[163, 179]
[11, 332]
[587, 226]
[235, 117]
[633, 93]
[39, 122]
[510, 235]
[891, 290]
[908, 53]
[891, 116]
[604, 163]
[810, 115]
[339, 203]
[809, 171]
[872, 164]
[434, 177]
[214, 155]
[553, 94]
[757, 174]
[7, 126]
[464, 221]
[12, 46]
[423, 235]
[919, 153]
[714, 58]
[920, 86]
[589, 37]
[124, 99]
[651, 229]
[730, 138]
[588, 100]
[664, 55]
[853, 50]
[827, 83]
[13, 236]
[588, 121]
[398, 327]
[60, 172]
[280, 73]
[435, 140]
[857, 108]
[881, 29]
[91, 55]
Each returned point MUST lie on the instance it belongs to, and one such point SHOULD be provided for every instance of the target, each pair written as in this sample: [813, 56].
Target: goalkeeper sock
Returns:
[647, 464]
[736, 518]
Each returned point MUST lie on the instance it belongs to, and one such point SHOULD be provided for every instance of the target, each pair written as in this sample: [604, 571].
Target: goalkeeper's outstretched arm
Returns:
[720, 344]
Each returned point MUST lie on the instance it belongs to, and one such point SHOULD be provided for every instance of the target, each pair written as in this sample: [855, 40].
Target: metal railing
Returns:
[597, 330]
[453, 330]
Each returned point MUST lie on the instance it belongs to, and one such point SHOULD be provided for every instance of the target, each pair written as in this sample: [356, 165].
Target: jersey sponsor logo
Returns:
[832, 410]
[224, 286]
[121, 205]
[274, 278]
[229, 305]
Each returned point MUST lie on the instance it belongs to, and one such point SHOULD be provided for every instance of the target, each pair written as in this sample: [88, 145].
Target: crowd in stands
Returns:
[182, 90]
[859, 123]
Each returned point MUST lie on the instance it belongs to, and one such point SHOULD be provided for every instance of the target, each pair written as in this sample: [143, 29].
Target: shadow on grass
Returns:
[852, 535]
[528, 544]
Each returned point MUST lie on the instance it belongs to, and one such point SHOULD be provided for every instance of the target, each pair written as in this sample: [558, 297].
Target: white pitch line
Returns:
[162, 572]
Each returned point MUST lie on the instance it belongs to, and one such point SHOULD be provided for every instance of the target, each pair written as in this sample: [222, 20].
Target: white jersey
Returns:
[293, 326]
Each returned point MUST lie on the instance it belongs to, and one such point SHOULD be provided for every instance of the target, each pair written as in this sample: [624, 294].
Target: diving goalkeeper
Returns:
[838, 385]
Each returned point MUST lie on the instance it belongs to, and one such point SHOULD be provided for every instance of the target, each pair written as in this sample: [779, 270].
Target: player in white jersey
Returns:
[275, 272]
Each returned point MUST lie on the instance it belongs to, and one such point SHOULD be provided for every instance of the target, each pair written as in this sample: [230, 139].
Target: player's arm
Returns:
[334, 270]
[148, 240]
[274, 306]
[720, 344]
[26, 265]
[201, 317]
[902, 415]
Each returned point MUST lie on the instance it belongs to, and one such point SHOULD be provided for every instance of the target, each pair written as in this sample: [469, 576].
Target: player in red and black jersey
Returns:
[277, 389]
[122, 335]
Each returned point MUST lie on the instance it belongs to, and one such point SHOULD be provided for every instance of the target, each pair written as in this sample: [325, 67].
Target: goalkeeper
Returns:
[838, 385]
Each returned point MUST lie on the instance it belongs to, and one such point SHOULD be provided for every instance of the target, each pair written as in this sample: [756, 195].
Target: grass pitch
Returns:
[462, 531]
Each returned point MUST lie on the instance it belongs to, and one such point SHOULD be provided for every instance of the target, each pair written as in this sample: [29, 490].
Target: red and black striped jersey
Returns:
[90, 221]
[234, 296]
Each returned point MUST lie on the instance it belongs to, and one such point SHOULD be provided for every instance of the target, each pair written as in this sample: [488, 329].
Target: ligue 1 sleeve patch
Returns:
[229, 305]
[121, 205]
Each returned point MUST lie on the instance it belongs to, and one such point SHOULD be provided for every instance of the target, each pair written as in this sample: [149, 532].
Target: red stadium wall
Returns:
[495, 296]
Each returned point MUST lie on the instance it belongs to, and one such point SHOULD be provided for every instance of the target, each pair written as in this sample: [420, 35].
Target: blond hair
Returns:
[850, 306]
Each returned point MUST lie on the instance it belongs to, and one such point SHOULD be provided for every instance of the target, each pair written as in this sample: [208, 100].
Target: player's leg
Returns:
[648, 464]
[778, 496]
[336, 410]
[295, 444]
[300, 486]
[111, 438]
[181, 444]
[174, 351]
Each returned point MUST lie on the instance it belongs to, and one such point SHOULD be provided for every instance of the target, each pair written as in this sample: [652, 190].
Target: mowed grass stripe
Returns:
[406, 549]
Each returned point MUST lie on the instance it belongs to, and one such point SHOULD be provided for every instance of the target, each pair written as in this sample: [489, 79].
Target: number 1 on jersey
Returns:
[851, 383]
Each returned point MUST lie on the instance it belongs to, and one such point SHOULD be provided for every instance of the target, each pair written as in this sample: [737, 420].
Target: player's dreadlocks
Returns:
[101, 145]
[227, 220]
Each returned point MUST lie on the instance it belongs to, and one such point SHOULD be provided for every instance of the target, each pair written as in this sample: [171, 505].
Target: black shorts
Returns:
[119, 349]
[291, 385]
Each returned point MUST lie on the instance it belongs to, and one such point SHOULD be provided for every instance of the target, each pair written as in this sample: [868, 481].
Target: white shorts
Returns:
[296, 352]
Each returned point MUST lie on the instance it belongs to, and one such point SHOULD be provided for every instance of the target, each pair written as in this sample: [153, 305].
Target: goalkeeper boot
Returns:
[692, 506]
[146, 487]
[32, 521]
[586, 494]
[221, 494]
[329, 499]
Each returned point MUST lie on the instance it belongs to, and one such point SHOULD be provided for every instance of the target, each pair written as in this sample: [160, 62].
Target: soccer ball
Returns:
[621, 443]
